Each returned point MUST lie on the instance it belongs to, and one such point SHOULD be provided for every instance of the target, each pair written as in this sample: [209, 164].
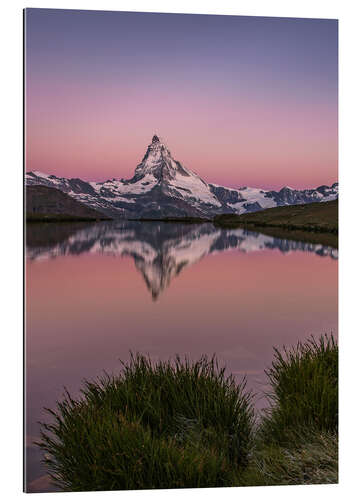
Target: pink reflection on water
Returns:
[85, 313]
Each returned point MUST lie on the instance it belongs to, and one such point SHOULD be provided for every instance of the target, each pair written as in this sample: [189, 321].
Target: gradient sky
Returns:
[239, 100]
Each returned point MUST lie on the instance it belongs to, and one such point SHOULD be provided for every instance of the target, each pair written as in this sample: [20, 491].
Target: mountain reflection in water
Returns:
[160, 250]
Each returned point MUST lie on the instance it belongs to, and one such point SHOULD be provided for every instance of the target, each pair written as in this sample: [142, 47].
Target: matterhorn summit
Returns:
[162, 187]
[159, 163]
[168, 180]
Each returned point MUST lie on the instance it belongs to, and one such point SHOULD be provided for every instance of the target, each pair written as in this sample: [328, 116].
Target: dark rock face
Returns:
[289, 196]
[226, 195]
[162, 187]
[252, 207]
[79, 186]
[158, 204]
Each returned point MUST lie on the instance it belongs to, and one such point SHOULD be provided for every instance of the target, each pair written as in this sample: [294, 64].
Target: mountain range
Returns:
[162, 187]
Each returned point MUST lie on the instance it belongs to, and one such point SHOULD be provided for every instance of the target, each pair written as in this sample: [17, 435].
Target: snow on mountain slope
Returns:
[162, 187]
[253, 196]
[158, 168]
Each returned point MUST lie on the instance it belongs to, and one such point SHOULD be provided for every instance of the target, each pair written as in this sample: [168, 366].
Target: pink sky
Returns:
[240, 101]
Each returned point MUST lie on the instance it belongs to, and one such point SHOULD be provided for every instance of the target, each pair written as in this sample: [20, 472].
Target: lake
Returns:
[95, 292]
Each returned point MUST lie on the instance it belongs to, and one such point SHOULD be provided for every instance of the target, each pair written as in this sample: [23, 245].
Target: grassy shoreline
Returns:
[194, 426]
[313, 222]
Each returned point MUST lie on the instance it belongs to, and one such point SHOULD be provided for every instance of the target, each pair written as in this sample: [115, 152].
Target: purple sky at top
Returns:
[239, 100]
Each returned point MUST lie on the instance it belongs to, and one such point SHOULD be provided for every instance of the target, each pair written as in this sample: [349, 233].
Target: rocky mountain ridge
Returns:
[162, 187]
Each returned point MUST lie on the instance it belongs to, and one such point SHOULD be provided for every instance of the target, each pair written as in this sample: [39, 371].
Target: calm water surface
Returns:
[97, 291]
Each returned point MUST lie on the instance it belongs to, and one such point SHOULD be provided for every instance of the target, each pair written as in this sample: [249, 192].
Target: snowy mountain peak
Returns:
[158, 166]
[162, 187]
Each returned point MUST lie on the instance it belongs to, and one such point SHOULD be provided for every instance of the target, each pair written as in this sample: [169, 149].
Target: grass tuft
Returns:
[296, 441]
[310, 458]
[304, 382]
[164, 425]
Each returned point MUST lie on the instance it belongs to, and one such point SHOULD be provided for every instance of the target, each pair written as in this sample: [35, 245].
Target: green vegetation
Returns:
[311, 457]
[315, 222]
[304, 383]
[161, 425]
[319, 217]
[186, 424]
[296, 441]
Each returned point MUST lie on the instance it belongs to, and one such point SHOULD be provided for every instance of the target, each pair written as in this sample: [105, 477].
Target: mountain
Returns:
[160, 251]
[163, 187]
[48, 203]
